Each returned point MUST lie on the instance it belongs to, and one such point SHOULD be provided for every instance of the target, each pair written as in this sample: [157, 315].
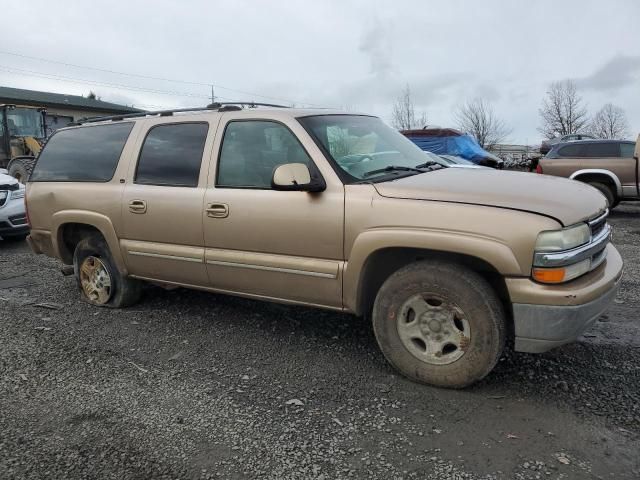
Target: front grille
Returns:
[597, 224]
[5, 225]
[3, 197]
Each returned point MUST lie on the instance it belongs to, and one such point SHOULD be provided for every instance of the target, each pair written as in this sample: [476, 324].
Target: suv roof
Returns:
[251, 108]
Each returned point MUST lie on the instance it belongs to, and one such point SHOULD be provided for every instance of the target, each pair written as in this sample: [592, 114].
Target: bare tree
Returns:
[477, 118]
[610, 122]
[562, 111]
[404, 115]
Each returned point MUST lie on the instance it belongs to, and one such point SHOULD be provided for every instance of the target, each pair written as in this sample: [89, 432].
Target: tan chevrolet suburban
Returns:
[332, 210]
[611, 166]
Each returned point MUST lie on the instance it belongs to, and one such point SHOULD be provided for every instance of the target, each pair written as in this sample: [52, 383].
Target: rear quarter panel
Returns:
[53, 204]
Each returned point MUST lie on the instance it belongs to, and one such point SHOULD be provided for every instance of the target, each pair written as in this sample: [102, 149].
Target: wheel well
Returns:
[600, 178]
[70, 235]
[382, 263]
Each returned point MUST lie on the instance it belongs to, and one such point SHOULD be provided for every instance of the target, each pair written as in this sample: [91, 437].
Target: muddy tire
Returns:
[98, 278]
[439, 323]
[608, 193]
[21, 168]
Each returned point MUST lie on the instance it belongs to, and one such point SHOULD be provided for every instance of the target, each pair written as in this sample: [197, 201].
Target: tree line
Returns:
[562, 112]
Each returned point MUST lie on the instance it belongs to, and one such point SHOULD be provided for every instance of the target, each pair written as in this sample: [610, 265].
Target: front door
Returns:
[162, 235]
[260, 242]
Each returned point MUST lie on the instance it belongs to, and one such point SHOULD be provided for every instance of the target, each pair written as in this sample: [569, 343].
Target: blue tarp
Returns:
[463, 146]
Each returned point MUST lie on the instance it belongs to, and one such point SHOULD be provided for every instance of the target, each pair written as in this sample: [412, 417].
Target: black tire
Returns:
[123, 291]
[469, 293]
[607, 191]
[21, 168]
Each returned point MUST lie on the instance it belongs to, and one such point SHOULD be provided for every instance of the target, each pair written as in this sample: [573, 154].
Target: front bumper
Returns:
[548, 316]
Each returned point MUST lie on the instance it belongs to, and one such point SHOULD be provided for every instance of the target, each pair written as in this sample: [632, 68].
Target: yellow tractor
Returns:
[22, 134]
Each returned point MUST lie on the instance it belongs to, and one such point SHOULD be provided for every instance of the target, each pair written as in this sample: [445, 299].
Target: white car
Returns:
[13, 216]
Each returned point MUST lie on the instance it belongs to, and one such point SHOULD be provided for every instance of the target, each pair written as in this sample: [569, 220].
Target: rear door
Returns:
[162, 237]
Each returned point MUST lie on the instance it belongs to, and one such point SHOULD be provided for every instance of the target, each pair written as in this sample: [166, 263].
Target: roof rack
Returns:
[217, 106]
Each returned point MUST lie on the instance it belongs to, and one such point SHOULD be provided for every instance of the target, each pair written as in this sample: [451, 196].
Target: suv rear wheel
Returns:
[439, 323]
[100, 281]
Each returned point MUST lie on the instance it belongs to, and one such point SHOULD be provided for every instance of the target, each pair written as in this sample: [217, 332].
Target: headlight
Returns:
[16, 194]
[565, 239]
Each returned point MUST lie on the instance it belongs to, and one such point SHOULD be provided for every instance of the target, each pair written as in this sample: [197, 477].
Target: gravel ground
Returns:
[194, 385]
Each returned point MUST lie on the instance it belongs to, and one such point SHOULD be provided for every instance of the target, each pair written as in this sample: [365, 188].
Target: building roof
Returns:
[44, 99]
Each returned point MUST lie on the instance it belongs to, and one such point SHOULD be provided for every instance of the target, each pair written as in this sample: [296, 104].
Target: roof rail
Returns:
[217, 106]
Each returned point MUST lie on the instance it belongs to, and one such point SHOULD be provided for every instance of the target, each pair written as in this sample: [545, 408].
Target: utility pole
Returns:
[213, 97]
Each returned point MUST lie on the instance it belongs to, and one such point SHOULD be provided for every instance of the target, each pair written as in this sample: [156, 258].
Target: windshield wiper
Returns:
[393, 168]
[430, 163]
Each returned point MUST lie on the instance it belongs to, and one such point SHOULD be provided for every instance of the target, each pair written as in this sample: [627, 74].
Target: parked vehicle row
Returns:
[331, 210]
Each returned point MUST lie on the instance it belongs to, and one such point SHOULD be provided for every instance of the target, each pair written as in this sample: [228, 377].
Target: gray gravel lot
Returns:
[194, 385]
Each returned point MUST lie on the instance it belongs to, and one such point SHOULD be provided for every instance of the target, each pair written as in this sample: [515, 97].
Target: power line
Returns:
[149, 77]
[119, 86]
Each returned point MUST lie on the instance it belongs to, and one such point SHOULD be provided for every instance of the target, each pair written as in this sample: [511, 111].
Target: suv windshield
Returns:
[365, 148]
[25, 122]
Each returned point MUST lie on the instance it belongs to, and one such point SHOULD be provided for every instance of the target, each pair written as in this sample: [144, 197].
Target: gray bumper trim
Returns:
[539, 328]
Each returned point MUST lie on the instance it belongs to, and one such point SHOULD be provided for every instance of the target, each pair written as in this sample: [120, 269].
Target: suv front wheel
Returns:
[100, 281]
[439, 323]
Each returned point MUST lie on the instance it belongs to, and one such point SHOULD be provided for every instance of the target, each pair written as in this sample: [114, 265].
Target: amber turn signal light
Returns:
[549, 275]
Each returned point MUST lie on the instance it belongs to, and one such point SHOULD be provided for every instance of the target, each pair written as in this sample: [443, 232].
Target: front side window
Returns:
[172, 155]
[252, 149]
[596, 150]
[83, 154]
[365, 148]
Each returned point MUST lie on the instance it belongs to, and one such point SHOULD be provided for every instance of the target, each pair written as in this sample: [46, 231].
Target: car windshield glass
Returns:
[364, 147]
[25, 122]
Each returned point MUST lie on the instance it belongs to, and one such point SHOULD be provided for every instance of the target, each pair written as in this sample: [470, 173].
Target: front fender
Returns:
[93, 219]
[488, 249]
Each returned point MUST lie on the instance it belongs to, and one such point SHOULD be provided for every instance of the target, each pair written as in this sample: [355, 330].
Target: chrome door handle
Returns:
[217, 210]
[137, 206]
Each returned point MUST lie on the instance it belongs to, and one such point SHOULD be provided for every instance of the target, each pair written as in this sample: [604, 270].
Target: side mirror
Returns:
[295, 177]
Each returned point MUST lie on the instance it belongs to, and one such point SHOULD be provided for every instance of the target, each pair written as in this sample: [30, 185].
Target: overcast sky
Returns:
[351, 54]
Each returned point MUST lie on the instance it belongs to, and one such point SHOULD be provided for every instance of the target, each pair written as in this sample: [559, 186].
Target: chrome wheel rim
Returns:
[95, 280]
[433, 329]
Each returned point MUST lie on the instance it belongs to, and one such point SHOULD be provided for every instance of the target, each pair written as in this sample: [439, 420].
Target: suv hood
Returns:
[567, 201]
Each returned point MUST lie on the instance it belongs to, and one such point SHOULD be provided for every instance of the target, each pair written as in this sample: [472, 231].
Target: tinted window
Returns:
[595, 150]
[251, 150]
[627, 149]
[172, 155]
[85, 154]
[571, 151]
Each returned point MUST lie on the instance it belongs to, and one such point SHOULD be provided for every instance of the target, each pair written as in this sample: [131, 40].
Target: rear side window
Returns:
[571, 151]
[595, 150]
[85, 154]
[626, 150]
[172, 155]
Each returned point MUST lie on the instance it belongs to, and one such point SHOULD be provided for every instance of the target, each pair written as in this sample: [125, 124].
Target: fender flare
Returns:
[599, 171]
[490, 250]
[92, 219]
